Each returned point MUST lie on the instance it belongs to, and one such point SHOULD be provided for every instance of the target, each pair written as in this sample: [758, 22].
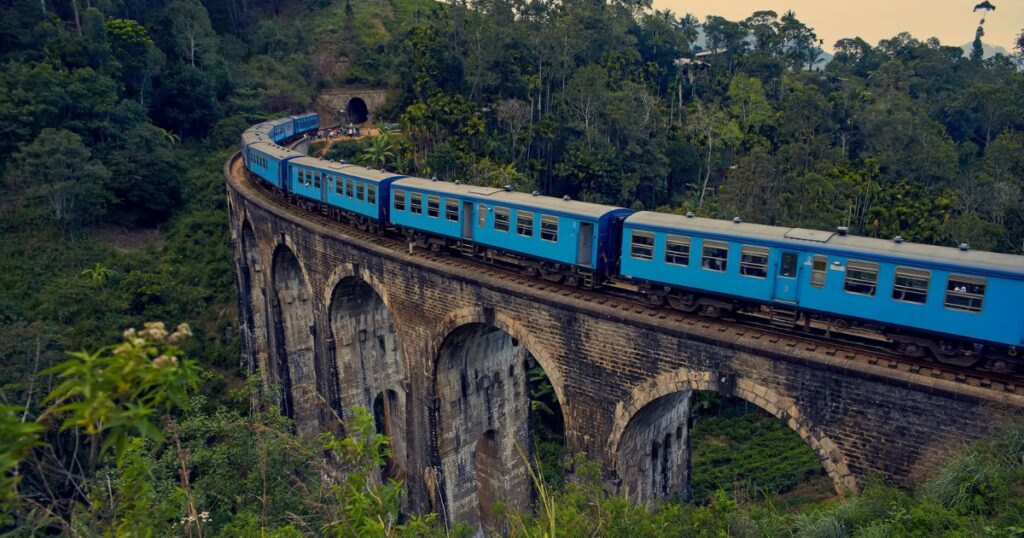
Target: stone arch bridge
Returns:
[439, 348]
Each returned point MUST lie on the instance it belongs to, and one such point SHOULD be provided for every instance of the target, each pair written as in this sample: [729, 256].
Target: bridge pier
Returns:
[436, 345]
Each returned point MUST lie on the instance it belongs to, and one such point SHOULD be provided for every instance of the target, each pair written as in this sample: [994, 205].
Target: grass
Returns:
[750, 454]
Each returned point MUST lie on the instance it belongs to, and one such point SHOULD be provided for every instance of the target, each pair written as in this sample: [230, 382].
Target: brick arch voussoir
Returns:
[784, 408]
[471, 315]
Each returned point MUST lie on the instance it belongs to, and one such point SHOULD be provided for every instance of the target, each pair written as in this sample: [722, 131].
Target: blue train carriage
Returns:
[558, 239]
[304, 123]
[348, 192]
[281, 129]
[269, 162]
[250, 137]
[958, 297]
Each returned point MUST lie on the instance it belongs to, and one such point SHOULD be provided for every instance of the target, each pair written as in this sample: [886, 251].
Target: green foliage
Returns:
[745, 452]
[380, 153]
[118, 392]
[59, 168]
[17, 438]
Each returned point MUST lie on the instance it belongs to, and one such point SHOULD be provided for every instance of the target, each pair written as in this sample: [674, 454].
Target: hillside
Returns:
[116, 119]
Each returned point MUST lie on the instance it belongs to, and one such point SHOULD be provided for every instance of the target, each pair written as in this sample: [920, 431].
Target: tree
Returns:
[186, 102]
[191, 37]
[58, 167]
[146, 181]
[141, 61]
[516, 114]
[712, 129]
[380, 153]
[748, 104]
[977, 49]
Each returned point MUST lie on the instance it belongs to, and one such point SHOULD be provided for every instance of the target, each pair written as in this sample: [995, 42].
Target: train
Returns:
[952, 304]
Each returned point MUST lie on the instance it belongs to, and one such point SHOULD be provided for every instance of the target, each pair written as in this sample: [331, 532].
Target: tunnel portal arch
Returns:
[356, 111]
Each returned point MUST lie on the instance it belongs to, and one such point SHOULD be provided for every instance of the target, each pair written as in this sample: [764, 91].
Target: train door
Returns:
[787, 281]
[467, 220]
[585, 245]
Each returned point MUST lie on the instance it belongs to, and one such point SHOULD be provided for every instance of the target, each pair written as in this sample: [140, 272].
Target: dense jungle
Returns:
[116, 117]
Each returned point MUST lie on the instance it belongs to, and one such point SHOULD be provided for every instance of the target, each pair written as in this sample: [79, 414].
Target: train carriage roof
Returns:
[252, 137]
[347, 169]
[273, 150]
[280, 121]
[260, 128]
[495, 195]
[805, 239]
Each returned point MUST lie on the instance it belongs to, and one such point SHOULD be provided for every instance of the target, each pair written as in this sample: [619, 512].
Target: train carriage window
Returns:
[524, 223]
[371, 193]
[965, 293]
[399, 197]
[754, 262]
[433, 206]
[716, 256]
[316, 180]
[787, 267]
[451, 209]
[861, 278]
[482, 211]
[677, 250]
[360, 191]
[309, 177]
[350, 192]
[549, 228]
[819, 268]
[501, 216]
[911, 285]
[416, 203]
[642, 246]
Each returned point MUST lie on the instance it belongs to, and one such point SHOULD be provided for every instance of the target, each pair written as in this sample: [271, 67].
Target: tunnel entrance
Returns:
[293, 320]
[368, 358]
[743, 450]
[356, 111]
[490, 393]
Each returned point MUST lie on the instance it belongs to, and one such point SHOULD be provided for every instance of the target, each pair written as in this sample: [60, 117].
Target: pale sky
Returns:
[949, 20]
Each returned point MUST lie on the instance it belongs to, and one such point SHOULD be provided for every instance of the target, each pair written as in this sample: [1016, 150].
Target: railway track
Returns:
[851, 352]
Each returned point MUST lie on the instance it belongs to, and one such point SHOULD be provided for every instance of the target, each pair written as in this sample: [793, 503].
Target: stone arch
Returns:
[356, 110]
[686, 381]
[254, 317]
[471, 315]
[482, 392]
[366, 354]
[294, 347]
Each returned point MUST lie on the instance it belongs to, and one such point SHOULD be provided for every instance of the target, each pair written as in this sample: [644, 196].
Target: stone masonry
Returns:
[439, 351]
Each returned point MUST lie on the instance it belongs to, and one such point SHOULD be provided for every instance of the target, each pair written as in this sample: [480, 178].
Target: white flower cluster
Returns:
[203, 517]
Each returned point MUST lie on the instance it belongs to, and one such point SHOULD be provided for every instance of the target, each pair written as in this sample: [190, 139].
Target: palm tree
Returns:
[380, 152]
[170, 136]
[98, 274]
